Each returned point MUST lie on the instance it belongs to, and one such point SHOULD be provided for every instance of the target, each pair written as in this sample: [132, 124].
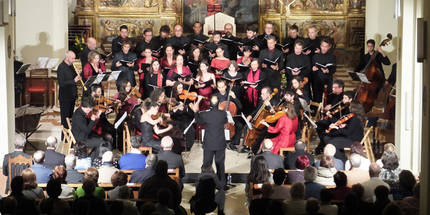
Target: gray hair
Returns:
[39, 157]
[135, 142]
[267, 144]
[107, 156]
[374, 170]
[70, 161]
[19, 141]
[310, 174]
[355, 160]
[166, 142]
[329, 150]
[51, 142]
[151, 160]
[297, 191]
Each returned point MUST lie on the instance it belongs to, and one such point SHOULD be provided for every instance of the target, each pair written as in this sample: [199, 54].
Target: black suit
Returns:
[82, 127]
[6, 165]
[173, 161]
[214, 142]
[273, 76]
[273, 161]
[53, 158]
[117, 44]
[127, 73]
[67, 92]
[139, 176]
[83, 56]
[292, 157]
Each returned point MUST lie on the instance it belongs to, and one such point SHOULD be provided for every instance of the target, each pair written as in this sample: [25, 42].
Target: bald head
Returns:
[267, 145]
[51, 142]
[92, 43]
[70, 57]
[374, 170]
[167, 143]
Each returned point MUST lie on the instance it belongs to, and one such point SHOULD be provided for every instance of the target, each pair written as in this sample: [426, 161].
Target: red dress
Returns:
[142, 75]
[286, 128]
[206, 92]
[89, 70]
[219, 65]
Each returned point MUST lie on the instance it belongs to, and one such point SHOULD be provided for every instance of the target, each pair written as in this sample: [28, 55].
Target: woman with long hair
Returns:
[258, 174]
[286, 126]
[297, 87]
[144, 65]
[220, 62]
[180, 73]
[252, 91]
[194, 59]
[168, 61]
[31, 190]
[154, 78]
[93, 66]
[205, 84]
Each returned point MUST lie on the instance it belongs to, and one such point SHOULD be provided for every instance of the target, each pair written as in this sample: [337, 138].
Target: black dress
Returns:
[147, 139]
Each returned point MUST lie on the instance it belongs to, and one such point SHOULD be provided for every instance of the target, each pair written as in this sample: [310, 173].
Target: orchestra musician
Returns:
[271, 61]
[336, 96]
[94, 66]
[67, 93]
[102, 126]
[117, 43]
[381, 57]
[297, 87]
[124, 61]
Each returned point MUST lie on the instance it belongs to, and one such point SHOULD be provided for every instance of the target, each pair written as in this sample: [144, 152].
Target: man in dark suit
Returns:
[173, 160]
[42, 173]
[52, 158]
[67, 91]
[214, 142]
[73, 176]
[19, 146]
[139, 176]
[273, 161]
[91, 46]
[117, 42]
[300, 149]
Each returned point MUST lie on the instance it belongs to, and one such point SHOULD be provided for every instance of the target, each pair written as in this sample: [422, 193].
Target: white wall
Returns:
[41, 29]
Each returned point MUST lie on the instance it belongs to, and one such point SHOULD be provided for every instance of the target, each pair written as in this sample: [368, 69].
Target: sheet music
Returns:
[41, 62]
[227, 134]
[189, 126]
[246, 121]
[22, 69]
[304, 105]
[229, 117]
[114, 75]
[117, 123]
[363, 78]
[310, 121]
[53, 62]
[99, 78]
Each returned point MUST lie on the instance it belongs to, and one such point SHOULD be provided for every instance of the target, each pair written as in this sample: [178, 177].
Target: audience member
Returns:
[279, 191]
[106, 170]
[73, 176]
[341, 190]
[381, 193]
[357, 148]
[139, 176]
[297, 204]
[60, 174]
[330, 150]
[31, 190]
[208, 173]
[300, 149]
[128, 207]
[326, 171]
[374, 181]
[355, 174]
[88, 203]
[173, 160]
[53, 204]
[204, 199]
[134, 160]
[297, 176]
[42, 173]
[313, 189]
[387, 147]
[118, 180]
[162, 205]
[312, 207]
[411, 205]
[83, 161]
[273, 161]
[392, 209]
[91, 174]
[23, 204]
[363, 207]
[405, 186]
[350, 205]
[390, 170]
[19, 147]
[53, 158]
[259, 174]
[265, 205]
[326, 207]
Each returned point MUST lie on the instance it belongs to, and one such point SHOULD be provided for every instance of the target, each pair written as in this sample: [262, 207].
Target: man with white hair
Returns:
[67, 91]
[19, 147]
[91, 46]
[313, 189]
[273, 161]
[173, 160]
[42, 173]
[356, 175]
[330, 150]
[139, 176]
[374, 181]
[73, 176]
[107, 169]
[52, 158]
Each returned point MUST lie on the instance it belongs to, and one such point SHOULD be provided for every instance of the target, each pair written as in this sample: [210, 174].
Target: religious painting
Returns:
[245, 12]
[316, 6]
[129, 5]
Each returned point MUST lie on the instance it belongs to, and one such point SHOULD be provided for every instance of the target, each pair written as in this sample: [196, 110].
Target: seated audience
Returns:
[92, 175]
[390, 170]
[313, 189]
[405, 186]
[330, 150]
[128, 207]
[411, 205]
[392, 209]
[162, 205]
[134, 160]
[273, 161]
[381, 193]
[119, 181]
[52, 158]
[53, 204]
[374, 181]
[357, 148]
[326, 171]
[363, 207]
[88, 203]
[300, 149]
[326, 207]
[173, 160]
[312, 207]
[341, 190]
[297, 176]
[355, 174]
[265, 205]
[23, 205]
[42, 173]
[19, 147]
[204, 194]
[204, 199]
[297, 204]
[279, 191]
[350, 205]
[60, 175]
[106, 170]
[139, 176]
[83, 161]
[73, 176]
[258, 174]
[387, 147]
[31, 190]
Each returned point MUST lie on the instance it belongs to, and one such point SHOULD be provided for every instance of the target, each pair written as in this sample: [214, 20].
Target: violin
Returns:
[188, 95]
[134, 93]
[274, 117]
[337, 110]
[341, 121]
[105, 100]
[165, 120]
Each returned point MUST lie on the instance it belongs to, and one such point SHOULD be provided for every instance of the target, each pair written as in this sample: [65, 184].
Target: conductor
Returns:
[214, 142]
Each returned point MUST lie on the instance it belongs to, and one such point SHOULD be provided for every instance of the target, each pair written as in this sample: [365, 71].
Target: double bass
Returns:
[253, 134]
[367, 93]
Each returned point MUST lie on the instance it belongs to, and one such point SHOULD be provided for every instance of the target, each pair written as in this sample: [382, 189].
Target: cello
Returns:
[257, 127]
[230, 107]
[367, 93]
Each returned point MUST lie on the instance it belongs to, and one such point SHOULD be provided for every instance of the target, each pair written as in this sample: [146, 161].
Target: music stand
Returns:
[27, 121]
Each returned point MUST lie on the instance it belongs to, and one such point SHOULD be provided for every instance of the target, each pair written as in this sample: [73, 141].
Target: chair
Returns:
[283, 150]
[126, 141]
[17, 164]
[367, 143]
[68, 139]
[37, 84]
[174, 174]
